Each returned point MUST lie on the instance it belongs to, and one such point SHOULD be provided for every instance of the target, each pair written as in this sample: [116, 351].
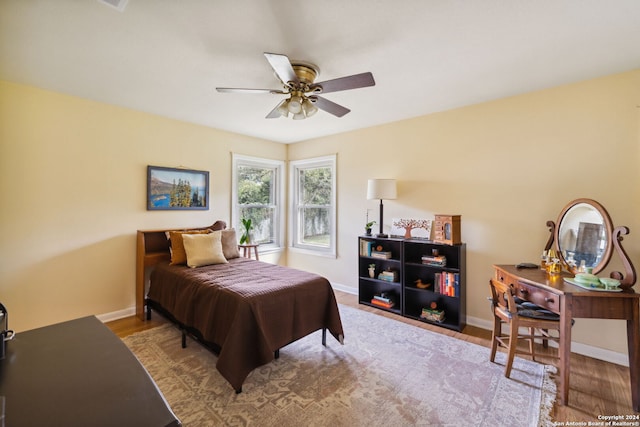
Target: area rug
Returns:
[386, 373]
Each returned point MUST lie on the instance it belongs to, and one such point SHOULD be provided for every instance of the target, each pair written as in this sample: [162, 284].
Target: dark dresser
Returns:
[77, 373]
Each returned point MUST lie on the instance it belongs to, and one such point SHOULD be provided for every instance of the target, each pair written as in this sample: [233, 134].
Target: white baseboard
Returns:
[115, 315]
[600, 353]
[347, 289]
[576, 347]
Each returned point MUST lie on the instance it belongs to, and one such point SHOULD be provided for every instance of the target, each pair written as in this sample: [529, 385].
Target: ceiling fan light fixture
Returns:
[298, 80]
[295, 104]
[283, 108]
[308, 108]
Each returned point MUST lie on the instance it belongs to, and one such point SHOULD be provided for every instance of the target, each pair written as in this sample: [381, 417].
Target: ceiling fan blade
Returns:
[345, 83]
[329, 106]
[275, 113]
[282, 66]
[244, 90]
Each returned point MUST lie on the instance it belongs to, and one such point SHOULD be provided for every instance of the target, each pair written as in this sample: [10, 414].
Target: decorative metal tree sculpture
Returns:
[410, 224]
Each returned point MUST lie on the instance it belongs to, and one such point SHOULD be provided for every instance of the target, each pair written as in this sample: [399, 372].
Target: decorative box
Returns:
[447, 229]
[432, 315]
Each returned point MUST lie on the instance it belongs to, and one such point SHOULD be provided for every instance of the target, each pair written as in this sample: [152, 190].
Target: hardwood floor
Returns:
[596, 387]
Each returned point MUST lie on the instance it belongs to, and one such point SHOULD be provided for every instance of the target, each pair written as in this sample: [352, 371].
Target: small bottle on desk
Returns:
[583, 267]
[543, 260]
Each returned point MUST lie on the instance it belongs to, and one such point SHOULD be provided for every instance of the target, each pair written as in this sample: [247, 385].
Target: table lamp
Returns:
[381, 189]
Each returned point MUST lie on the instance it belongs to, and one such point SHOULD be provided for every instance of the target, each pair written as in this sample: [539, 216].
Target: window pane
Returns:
[315, 186]
[313, 206]
[256, 199]
[262, 220]
[315, 227]
[255, 185]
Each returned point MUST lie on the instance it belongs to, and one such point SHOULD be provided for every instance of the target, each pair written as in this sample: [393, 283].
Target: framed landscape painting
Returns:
[177, 189]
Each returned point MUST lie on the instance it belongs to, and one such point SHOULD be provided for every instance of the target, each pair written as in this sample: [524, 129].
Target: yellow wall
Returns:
[73, 186]
[507, 167]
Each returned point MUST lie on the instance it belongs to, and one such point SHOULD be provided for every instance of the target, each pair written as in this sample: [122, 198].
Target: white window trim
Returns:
[239, 159]
[293, 195]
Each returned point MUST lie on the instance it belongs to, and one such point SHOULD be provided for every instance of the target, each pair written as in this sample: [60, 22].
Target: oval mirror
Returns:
[583, 236]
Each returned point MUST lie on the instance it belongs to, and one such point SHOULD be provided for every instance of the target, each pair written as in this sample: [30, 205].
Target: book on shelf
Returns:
[388, 275]
[383, 304]
[381, 254]
[384, 299]
[434, 260]
[365, 247]
[447, 284]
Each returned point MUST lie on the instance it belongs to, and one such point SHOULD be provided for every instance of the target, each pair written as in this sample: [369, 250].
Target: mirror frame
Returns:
[614, 240]
[606, 220]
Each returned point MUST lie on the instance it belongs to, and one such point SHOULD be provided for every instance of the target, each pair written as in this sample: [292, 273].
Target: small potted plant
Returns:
[246, 235]
[367, 227]
[372, 270]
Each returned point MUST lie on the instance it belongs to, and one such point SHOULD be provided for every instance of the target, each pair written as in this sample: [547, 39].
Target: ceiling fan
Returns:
[298, 79]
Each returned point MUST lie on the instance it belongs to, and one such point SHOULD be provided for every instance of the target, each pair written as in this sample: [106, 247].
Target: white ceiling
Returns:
[167, 56]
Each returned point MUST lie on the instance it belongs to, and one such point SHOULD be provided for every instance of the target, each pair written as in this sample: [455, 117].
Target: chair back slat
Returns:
[502, 295]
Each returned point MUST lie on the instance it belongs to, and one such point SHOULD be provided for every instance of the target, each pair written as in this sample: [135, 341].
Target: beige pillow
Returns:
[230, 244]
[178, 255]
[204, 249]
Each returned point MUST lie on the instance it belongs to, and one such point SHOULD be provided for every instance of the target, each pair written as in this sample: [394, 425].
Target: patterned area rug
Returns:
[387, 373]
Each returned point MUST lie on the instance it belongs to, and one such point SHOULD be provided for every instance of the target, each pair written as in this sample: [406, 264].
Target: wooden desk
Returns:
[570, 302]
[78, 373]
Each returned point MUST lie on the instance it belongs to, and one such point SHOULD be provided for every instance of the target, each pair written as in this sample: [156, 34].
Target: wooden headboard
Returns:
[152, 248]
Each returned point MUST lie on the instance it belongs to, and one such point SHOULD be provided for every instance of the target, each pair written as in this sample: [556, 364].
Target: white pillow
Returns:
[204, 249]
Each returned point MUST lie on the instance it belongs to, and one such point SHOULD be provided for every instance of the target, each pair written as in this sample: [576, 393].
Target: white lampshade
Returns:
[308, 108]
[295, 104]
[381, 189]
[283, 108]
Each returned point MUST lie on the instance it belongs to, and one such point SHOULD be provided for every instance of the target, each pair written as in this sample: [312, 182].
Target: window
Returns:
[257, 191]
[313, 205]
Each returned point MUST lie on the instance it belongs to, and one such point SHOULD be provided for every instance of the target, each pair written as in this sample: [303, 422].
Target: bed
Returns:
[246, 310]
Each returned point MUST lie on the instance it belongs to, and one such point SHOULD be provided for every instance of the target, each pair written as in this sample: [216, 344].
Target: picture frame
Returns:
[411, 228]
[177, 189]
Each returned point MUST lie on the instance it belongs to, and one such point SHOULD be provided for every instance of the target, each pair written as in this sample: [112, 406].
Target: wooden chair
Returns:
[506, 311]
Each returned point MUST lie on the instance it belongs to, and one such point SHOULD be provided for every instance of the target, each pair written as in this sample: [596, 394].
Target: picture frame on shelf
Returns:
[410, 228]
[177, 189]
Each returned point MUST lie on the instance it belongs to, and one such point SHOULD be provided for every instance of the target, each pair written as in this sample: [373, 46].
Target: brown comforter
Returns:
[249, 308]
